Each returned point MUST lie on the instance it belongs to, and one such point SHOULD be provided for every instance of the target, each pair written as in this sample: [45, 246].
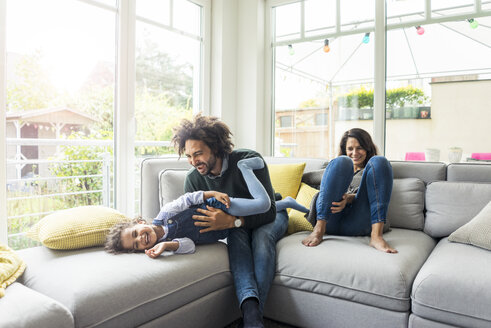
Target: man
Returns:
[207, 144]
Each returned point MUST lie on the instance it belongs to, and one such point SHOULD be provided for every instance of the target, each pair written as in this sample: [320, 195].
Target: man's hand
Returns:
[213, 219]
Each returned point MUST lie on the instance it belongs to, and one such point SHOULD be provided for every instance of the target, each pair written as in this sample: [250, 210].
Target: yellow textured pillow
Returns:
[77, 227]
[286, 178]
[297, 221]
[11, 267]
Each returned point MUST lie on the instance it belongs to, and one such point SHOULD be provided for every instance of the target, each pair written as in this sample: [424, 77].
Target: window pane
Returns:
[451, 7]
[156, 10]
[318, 95]
[60, 93]
[405, 11]
[321, 17]
[167, 85]
[187, 17]
[287, 21]
[438, 91]
[356, 14]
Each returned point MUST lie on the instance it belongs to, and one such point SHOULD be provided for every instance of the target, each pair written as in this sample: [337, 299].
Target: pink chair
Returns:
[481, 156]
[415, 156]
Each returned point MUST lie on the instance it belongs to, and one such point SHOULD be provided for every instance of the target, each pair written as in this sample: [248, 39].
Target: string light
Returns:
[473, 23]
[366, 38]
[326, 46]
[420, 30]
[291, 51]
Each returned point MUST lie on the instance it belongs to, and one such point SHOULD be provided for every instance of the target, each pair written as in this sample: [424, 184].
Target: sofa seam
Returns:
[445, 311]
[337, 285]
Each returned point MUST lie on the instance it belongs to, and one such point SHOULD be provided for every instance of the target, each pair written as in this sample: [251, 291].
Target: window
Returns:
[437, 87]
[322, 76]
[169, 52]
[437, 76]
[286, 121]
[61, 81]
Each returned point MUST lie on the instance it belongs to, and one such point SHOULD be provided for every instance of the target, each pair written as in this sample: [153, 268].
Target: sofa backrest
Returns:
[469, 172]
[425, 171]
[449, 205]
[162, 179]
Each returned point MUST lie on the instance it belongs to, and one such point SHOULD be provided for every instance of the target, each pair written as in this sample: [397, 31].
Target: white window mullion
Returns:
[3, 109]
[380, 72]
[125, 110]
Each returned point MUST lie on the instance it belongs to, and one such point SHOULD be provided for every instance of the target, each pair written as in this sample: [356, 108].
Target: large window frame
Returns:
[124, 130]
[379, 29]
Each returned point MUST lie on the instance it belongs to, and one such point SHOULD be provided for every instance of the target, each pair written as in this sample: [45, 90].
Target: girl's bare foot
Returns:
[379, 243]
[315, 238]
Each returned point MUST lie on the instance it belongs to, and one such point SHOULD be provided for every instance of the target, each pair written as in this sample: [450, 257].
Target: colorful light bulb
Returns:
[326, 46]
[366, 38]
[473, 23]
[291, 51]
[420, 30]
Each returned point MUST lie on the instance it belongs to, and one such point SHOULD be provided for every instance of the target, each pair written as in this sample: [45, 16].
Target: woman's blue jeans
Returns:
[370, 203]
[252, 257]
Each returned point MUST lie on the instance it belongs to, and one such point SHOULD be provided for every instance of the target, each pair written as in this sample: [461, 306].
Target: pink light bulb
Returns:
[420, 30]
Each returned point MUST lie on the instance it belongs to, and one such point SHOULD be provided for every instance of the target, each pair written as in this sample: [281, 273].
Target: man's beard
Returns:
[209, 165]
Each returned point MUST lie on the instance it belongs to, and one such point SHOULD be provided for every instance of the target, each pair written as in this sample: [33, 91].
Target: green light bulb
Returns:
[473, 23]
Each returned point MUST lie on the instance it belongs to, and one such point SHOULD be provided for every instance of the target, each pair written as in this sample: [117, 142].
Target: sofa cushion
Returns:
[296, 219]
[78, 227]
[23, 307]
[450, 205]
[171, 184]
[452, 286]
[477, 231]
[126, 290]
[407, 204]
[347, 268]
[286, 178]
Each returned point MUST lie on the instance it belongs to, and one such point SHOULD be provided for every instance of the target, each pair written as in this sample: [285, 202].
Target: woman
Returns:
[354, 193]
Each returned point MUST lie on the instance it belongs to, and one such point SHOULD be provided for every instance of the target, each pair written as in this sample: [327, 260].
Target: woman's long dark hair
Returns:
[363, 138]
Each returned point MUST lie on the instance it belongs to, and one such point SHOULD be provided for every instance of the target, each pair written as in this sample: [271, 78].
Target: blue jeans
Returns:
[370, 203]
[252, 257]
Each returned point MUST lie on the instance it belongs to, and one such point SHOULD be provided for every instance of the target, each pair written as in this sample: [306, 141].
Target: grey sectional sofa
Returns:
[341, 283]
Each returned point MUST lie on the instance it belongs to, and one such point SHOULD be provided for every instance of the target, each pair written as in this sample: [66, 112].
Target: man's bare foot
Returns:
[379, 243]
[315, 238]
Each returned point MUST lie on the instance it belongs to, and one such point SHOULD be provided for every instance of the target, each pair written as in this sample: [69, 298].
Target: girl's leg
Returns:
[289, 202]
[334, 183]
[261, 201]
[369, 211]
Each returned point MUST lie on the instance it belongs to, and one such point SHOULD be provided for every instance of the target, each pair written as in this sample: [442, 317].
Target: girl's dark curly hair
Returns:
[363, 138]
[113, 238]
[213, 132]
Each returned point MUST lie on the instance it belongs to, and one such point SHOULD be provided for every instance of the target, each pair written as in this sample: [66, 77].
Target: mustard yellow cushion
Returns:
[286, 178]
[77, 227]
[297, 221]
[11, 267]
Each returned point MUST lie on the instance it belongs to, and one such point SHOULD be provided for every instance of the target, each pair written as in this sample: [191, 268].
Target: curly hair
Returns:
[363, 138]
[213, 132]
[113, 239]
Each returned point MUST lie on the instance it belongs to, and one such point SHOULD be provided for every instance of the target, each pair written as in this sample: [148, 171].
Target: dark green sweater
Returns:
[233, 184]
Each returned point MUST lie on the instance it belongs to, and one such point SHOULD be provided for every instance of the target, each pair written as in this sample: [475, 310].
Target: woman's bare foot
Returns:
[379, 243]
[315, 238]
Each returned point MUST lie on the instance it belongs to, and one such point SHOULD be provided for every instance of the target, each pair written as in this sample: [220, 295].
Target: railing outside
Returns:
[50, 186]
